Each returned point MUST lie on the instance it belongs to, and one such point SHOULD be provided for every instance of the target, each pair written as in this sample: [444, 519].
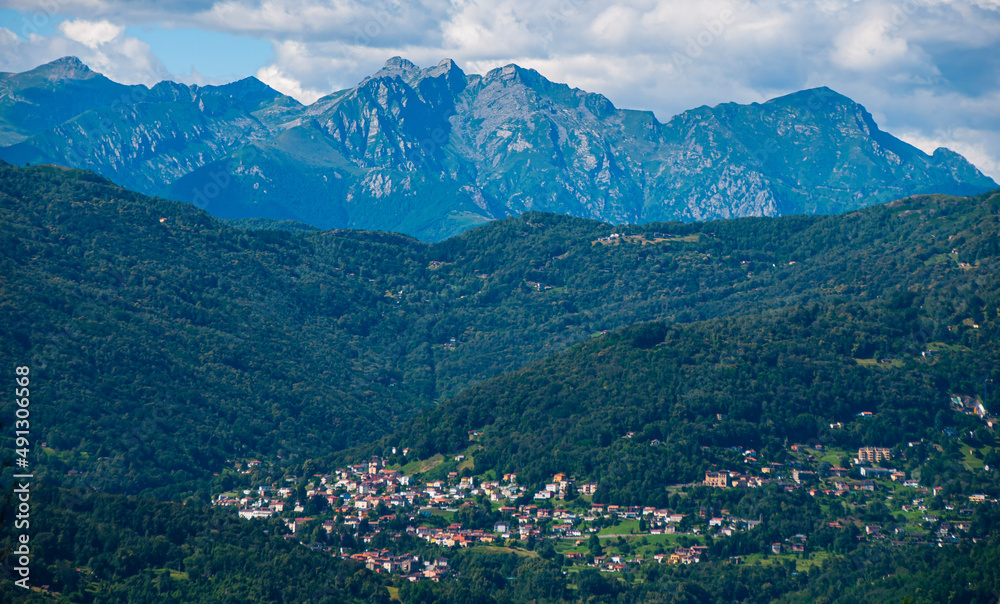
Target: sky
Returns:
[928, 70]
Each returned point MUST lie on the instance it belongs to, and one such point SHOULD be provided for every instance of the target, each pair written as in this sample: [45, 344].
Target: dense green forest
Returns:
[164, 345]
[92, 547]
[233, 343]
[756, 382]
[782, 375]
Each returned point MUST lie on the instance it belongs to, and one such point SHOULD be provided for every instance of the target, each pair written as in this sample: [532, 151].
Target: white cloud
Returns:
[102, 45]
[273, 76]
[868, 45]
[979, 147]
[91, 33]
[290, 17]
[615, 25]
[482, 30]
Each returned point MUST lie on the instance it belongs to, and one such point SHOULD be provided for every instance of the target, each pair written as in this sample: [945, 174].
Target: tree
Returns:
[592, 583]
[594, 545]
[545, 549]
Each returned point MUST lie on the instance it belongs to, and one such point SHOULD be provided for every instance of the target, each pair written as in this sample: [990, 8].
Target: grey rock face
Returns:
[431, 152]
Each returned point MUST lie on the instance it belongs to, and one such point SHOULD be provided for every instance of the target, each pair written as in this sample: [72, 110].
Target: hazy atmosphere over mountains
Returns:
[431, 152]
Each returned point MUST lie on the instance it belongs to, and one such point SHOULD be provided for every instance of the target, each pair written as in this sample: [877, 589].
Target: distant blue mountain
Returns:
[432, 152]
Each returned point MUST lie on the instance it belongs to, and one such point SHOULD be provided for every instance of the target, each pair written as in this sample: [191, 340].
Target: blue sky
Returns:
[928, 70]
[217, 56]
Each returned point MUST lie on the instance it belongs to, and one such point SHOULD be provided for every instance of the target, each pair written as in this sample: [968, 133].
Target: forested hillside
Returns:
[141, 550]
[660, 404]
[167, 342]
[893, 334]
[165, 345]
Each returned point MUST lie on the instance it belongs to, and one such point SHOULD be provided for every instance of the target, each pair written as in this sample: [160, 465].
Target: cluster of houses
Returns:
[367, 498]
[968, 405]
[372, 494]
[364, 487]
[612, 238]
[560, 486]
[523, 522]
[834, 481]
[618, 563]
[834, 477]
[409, 565]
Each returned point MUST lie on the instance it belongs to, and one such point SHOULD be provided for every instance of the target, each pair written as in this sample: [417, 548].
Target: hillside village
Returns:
[372, 508]
[368, 499]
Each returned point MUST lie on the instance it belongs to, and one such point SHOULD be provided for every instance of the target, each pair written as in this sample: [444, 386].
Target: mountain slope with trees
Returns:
[759, 379]
[234, 343]
[165, 344]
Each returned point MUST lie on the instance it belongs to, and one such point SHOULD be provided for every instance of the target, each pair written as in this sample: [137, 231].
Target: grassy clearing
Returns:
[500, 549]
[446, 514]
[801, 564]
[815, 559]
[421, 465]
[883, 364]
[626, 527]
[947, 347]
[569, 545]
[642, 239]
[832, 456]
[939, 258]
[176, 575]
[973, 462]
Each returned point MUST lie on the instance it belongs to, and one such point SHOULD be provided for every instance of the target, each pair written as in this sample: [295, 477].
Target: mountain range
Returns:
[432, 152]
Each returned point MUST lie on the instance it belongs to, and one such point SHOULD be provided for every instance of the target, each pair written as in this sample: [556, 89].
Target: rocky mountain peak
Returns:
[250, 90]
[817, 101]
[396, 66]
[512, 73]
[431, 152]
[446, 67]
[399, 63]
[66, 68]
